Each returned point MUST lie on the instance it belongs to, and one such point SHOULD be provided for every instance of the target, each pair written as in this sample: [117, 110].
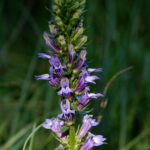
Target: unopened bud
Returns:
[83, 54]
[81, 61]
[56, 9]
[72, 54]
[76, 5]
[50, 43]
[79, 32]
[53, 29]
[58, 21]
[61, 40]
[58, 2]
[82, 2]
[77, 14]
[81, 42]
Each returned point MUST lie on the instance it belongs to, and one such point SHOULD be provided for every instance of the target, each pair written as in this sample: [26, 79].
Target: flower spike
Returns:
[70, 77]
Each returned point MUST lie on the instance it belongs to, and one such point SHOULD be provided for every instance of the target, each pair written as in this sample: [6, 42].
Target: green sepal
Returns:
[59, 2]
[75, 6]
[65, 128]
[67, 72]
[82, 2]
[56, 9]
[74, 105]
[79, 100]
[59, 148]
[57, 86]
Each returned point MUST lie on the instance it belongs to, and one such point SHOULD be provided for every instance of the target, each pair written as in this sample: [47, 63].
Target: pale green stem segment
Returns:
[72, 138]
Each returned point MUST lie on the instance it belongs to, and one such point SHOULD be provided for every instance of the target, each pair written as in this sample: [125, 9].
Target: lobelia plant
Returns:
[69, 75]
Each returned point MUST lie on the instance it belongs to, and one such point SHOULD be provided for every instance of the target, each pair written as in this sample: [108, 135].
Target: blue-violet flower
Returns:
[67, 113]
[65, 89]
[50, 43]
[55, 125]
[88, 122]
[85, 98]
[93, 140]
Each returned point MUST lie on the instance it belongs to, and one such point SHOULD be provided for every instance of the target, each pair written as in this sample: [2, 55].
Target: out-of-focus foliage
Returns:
[118, 37]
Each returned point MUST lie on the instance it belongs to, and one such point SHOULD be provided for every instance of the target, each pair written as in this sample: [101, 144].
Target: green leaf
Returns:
[30, 136]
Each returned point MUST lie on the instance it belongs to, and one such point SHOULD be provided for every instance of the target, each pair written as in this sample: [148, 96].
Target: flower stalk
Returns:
[69, 75]
[72, 138]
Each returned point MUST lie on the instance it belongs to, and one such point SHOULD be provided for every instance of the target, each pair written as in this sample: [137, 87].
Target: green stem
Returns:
[72, 138]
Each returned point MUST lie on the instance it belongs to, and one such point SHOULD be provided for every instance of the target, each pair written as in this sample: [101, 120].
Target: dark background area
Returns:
[119, 37]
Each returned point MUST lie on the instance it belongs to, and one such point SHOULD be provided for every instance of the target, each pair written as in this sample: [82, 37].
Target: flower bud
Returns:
[50, 43]
[53, 29]
[58, 2]
[58, 21]
[61, 40]
[77, 14]
[79, 32]
[81, 61]
[81, 42]
[76, 5]
[82, 2]
[56, 9]
[72, 54]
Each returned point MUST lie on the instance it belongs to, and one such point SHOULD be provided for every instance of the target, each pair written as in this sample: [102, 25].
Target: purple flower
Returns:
[88, 77]
[80, 85]
[72, 54]
[45, 56]
[82, 81]
[85, 98]
[50, 43]
[51, 78]
[95, 96]
[88, 122]
[65, 90]
[93, 140]
[67, 113]
[85, 78]
[42, 77]
[90, 70]
[54, 81]
[81, 61]
[55, 125]
[56, 64]
[91, 79]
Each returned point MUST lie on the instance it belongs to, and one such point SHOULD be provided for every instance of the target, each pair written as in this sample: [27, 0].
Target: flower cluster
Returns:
[69, 75]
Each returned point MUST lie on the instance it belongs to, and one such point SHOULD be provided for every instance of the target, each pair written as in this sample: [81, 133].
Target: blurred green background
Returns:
[119, 37]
